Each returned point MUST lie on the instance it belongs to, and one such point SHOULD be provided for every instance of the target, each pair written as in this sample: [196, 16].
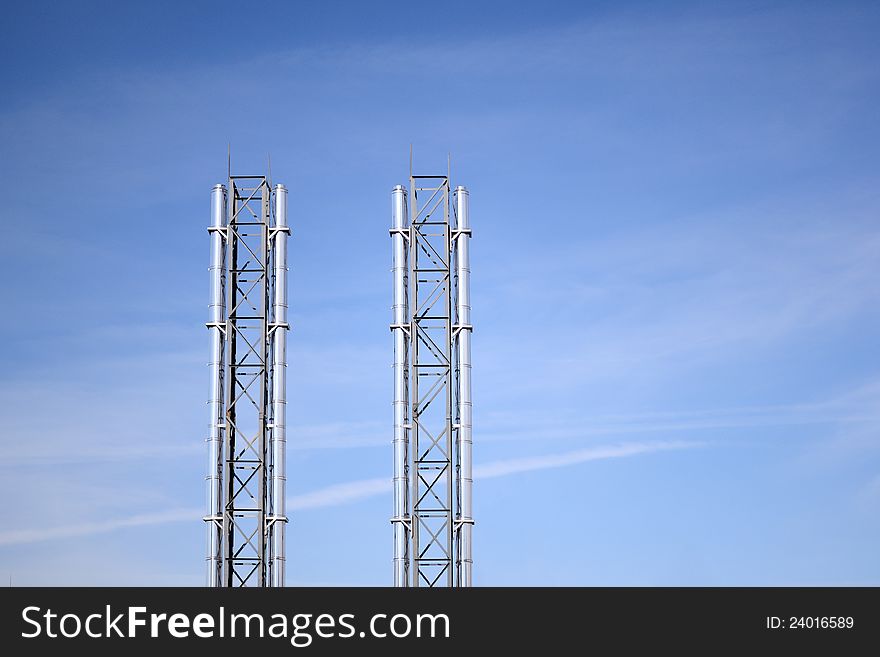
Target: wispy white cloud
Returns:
[531, 463]
[344, 493]
[857, 406]
[52, 445]
[338, 494]
[339, 435]
[33, 535]
[660, 301]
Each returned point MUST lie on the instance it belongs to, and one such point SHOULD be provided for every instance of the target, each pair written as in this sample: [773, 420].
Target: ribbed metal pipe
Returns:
[465, 438]
[400, 319]
[279, 387]
[217, 316]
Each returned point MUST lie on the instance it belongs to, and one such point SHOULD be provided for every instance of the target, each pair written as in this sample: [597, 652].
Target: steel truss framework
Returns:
[246, 475]
[432, 405]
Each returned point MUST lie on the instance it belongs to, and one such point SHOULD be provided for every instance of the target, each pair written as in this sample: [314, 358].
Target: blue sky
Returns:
[675, 280]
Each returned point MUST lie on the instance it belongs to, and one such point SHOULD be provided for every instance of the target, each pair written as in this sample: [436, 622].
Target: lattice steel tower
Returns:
[248, 323]
[431, 325]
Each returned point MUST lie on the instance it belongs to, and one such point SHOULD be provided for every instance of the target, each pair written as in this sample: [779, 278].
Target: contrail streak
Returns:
[345, 493]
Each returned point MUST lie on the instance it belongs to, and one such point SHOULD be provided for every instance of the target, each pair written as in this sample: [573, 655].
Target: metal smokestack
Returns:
[400, 327]
[464, 328]
[246, 475]
[217, 326]
[433, 465]
[279, 386]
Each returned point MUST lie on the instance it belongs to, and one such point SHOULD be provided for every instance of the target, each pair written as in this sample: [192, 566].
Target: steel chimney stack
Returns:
[431, 325]
[217, 326]
[278, 518]
[462, 331]
[246, 516]
[400, 328]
